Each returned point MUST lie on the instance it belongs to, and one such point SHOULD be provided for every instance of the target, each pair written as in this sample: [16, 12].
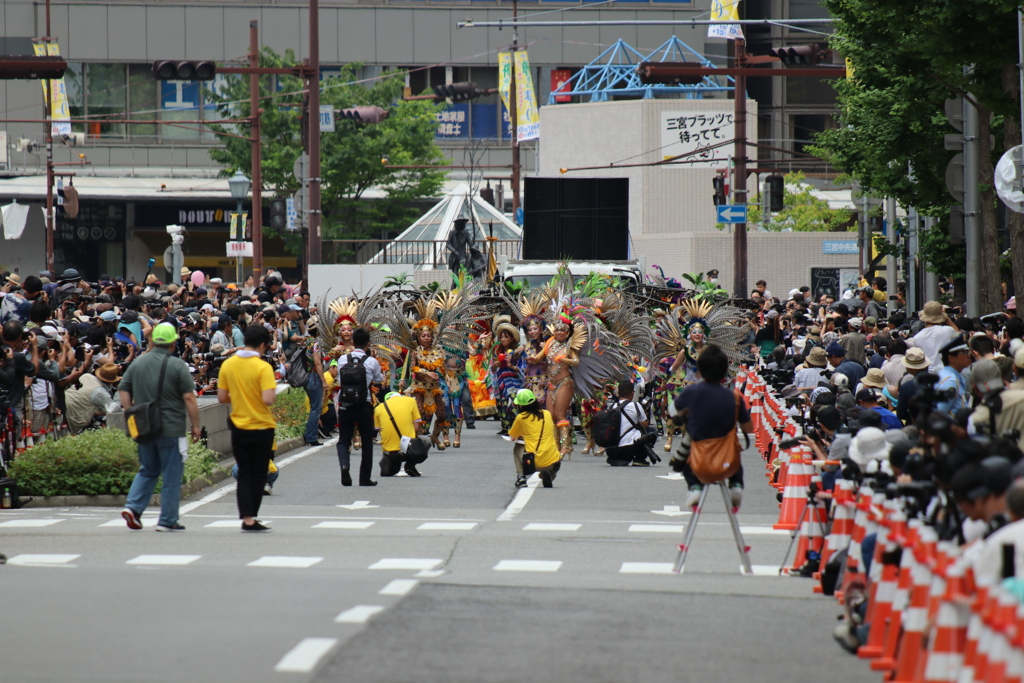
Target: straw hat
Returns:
[932, 313]
[869, 444]
[915, 360]
[875, 378]
[109, 373]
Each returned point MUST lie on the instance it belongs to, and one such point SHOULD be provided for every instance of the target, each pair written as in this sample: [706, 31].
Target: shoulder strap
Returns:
[625, 414]
[395, 424]
[160, 382]
[540, 438]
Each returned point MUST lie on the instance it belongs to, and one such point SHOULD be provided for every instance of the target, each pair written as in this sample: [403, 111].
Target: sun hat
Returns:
[109, 373]
[915, 359]
[875, 378]
[816, 358]
[869, 444]
[525, 397]
[216, 281]
[164, 333]
[185, 271]
[932, 313]
[814, 333]
[986, 376]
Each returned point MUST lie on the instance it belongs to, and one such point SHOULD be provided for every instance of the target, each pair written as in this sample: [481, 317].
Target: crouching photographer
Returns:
[636, 436]
[828, 437]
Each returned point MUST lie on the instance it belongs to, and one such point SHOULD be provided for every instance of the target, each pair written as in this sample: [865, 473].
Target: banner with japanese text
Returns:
[527, 114]
[725, 10]
[55, 92]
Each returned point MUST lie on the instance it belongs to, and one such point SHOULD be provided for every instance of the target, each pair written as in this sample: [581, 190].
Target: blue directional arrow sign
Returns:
[731, 213]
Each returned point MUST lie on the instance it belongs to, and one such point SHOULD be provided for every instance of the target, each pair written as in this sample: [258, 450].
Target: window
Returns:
[103, 93]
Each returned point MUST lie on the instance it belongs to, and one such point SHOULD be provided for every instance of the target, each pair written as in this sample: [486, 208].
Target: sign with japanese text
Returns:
[725, 10]
[560, 82]
[236, 226]
[453, 122]
[694, 134]
[840, 247]
[240, 249]
[56, 93]
[527, 114]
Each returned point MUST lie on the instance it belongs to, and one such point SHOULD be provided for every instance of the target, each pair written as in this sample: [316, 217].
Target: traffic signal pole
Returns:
[257, 160]
[513, 112]
[739, 242]
[48, 104]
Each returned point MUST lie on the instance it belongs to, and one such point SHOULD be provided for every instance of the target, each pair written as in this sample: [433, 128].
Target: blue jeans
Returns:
[315, 392]
[156, 458]
[271, 476]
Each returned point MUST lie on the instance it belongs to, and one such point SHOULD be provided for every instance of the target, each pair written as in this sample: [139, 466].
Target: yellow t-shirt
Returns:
[529, 428]
[246, 379]
[405, 412]
[328, 388]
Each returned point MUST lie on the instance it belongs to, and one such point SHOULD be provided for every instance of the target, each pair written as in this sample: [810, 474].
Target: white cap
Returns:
[216, 281]
[793, 292]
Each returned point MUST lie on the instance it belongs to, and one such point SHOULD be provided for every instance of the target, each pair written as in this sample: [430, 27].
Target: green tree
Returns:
[352, 158]
[908, 58]
[802, 211]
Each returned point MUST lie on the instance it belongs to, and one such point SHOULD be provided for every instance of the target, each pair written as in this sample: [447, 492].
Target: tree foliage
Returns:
[352, 158]
[802, 211]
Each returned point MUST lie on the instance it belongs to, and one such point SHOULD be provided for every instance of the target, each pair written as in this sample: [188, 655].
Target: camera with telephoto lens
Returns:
[812, 434]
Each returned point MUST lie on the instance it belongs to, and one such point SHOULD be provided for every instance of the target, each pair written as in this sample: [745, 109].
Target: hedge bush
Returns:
[291, 409]
[94, 463]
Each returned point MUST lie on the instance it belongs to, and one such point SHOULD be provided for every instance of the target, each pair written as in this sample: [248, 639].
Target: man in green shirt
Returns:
[163, 455]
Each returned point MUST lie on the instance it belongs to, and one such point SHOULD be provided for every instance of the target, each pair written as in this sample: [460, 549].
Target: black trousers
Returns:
[253, 449]
[621, 456]
[329, 420]
[349, 419]
[692, 480]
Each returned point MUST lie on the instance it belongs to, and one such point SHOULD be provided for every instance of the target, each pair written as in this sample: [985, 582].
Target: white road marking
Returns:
[343, 525]
[229, 524]
[543, 526]
[359, 505]
[763, 530]
[176, 560]
[285, 561]
[29, 522]
[360, 614]
[41, 560]
[528, 566]
[672, 476]
[303, 657]
[399, 587]
[671, 511]
[763, 570]
[405, 563]
[646, 568]
[447, 526]
[223, 491]
[115, 522]
[430, 573]
[656, 528]
[521, 499]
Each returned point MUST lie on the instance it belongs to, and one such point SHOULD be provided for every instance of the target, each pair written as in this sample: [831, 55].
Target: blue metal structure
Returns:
[613, 74]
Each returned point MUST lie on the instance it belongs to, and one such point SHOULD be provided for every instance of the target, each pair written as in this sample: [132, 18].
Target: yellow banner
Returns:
[55, 93]
[725, 10]
[527, 114]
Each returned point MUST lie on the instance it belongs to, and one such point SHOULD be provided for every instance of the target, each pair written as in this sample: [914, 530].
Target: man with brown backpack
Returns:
[711, 413]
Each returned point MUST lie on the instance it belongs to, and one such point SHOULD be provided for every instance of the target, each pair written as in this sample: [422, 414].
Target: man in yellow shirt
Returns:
[536, 428]
[407, 418]
[246, 381]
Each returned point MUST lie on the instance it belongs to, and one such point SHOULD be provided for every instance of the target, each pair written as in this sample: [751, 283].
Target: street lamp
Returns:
[239, 186]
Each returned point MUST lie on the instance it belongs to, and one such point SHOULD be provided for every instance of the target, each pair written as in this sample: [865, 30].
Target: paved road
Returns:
[449, 577]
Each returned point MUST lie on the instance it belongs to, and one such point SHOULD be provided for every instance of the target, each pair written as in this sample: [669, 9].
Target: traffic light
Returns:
[718, 182]
[457, 92]
[363, 114]
[776, 193]
[667, 73]
[70, 196]
[802, 54]
[174, 70]
[32, 68]
[278, 217]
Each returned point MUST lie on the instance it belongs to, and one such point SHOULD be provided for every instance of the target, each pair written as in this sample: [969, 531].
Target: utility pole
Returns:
[48, 105]
[972, 206]
[513, 110]
[313, 84]
[890, 260]
[257, 160]
[739, 180]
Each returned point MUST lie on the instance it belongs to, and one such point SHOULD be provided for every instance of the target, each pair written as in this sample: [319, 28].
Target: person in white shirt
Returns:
[939, 330]
[632, 428]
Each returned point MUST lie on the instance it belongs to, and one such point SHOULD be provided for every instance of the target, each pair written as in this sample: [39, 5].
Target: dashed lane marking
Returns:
[284, 561]
[528, 566]
[304, 657]
[447, 526]
[169, 560]
[399, 587]
[39, 560]
[360, 614]
[656, 528]
[545, 526]
[342, 525]
[405, 563]
[520, 500]
[29, 523]
[646, 568]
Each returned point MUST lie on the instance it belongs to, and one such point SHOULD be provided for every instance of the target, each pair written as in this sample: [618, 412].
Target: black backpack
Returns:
[606, 426]
[352, 381]
[298, 367]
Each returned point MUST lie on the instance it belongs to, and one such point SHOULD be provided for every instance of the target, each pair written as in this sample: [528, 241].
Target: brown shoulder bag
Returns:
[714, 460]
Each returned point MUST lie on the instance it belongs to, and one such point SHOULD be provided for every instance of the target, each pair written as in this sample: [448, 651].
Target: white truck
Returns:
[537, 273]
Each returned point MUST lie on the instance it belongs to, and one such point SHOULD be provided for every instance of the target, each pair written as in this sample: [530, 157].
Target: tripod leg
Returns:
[684, 547]
[740, 544]
[793, 535]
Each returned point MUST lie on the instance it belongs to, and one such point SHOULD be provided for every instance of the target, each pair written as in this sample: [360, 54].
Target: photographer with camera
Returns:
[19, 358]
[999, 411]
[938, 332]
[634, 440]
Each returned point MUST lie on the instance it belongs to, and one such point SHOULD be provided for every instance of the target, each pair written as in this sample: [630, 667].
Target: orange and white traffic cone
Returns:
[948, 638]
[915, 619]
[900, 603]
[794, 496]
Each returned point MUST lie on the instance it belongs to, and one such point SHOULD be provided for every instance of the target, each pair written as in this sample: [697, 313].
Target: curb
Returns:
[187, 489]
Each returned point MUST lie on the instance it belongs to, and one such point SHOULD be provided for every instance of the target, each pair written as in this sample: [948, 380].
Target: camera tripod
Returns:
[684, 547]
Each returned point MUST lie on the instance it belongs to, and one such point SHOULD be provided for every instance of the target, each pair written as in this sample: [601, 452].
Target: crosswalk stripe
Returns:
[303, 657]
[343, 525]
[447, 526]
[763, 530]
[656, 528]
[42, 559]
[399, 587]
[284, 561]
[405, 563]
[360, 614]
[528, 566]
[29, 522]
[176, 560]
[228, 524]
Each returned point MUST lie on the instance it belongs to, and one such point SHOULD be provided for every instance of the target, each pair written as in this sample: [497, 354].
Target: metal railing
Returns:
[423, 253]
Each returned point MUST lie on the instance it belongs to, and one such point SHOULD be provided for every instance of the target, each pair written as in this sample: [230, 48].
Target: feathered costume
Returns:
[506, 377]
[528, 309]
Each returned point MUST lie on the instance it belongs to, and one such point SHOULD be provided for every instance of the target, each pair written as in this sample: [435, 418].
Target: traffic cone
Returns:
[915, 619]
[794, 496]
[948, 638]
[1002, 625]
[900, 604]
[881, 612]
[1015, 668]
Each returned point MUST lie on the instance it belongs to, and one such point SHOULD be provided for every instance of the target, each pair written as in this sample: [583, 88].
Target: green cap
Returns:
[164, 333]
[525, 397]
[390, 395]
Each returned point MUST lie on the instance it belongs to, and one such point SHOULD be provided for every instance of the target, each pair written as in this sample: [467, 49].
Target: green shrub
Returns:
[94, 463]
[291, 411]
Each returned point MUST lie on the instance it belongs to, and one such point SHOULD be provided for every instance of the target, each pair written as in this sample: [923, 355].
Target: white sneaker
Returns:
[736, 496]
[694, 497]
[267, 489]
